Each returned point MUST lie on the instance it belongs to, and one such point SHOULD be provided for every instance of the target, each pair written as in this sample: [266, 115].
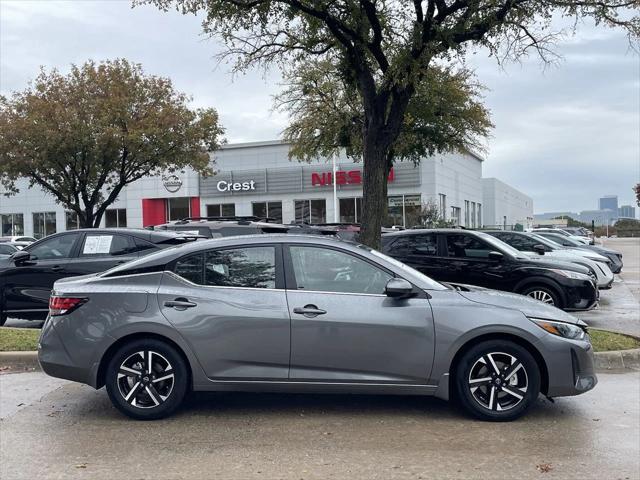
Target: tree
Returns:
[84, 136]
[325, 110]
[429, 216]
[386, 47]
[636, 189]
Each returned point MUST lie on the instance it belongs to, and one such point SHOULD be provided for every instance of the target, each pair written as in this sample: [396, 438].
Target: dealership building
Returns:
[259, 179]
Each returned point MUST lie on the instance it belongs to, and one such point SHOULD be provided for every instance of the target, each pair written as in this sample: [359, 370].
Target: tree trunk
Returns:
[374, 186]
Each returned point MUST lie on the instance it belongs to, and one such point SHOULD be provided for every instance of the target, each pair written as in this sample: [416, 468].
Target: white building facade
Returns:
[505, 206]
[259, 179]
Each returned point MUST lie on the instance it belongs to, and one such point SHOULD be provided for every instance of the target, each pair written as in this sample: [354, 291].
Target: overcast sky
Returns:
[564, 135]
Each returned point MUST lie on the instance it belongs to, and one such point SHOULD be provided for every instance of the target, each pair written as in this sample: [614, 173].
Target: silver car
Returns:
[305, 314]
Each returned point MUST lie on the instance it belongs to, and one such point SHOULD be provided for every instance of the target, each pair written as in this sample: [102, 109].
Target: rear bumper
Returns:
[56, 361]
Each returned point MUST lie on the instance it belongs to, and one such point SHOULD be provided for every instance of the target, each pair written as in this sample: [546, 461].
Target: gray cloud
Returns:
[565, 135]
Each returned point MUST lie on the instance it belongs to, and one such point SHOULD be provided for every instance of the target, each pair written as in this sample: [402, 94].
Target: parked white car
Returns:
[577, 238]
[533, 245]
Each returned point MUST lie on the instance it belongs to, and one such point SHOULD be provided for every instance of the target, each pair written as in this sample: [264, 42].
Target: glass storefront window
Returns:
[12, 224]
[311, 211]
[221, 210]
[178, 208]
[479, 215]
[44, 223]
[403, 209]
[72, 221]
[116, 218]
[455, 216]
[350, 210]
[466, 213]
[272, 210]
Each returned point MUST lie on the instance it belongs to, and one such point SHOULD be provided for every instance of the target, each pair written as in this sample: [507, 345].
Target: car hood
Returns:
[513, 301]
[565, 263]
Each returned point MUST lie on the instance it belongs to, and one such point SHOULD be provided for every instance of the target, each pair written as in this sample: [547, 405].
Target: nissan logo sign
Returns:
[224, 186]
[172, 183]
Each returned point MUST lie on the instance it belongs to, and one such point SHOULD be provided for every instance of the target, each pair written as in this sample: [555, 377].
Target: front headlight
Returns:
[570, 274]
[561, 329]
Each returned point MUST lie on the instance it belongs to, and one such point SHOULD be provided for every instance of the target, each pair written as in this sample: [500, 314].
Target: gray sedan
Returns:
[305, 314]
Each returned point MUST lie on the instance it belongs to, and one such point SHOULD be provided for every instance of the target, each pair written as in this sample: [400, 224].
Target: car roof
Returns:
[154, 236]
[418, 231]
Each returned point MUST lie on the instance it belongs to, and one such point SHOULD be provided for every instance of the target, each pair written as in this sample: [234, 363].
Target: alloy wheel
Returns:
[498, 381]
[541, 295]
[145, 379]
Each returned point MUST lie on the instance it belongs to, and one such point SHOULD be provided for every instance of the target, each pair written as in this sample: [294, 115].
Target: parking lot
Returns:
[56, 429]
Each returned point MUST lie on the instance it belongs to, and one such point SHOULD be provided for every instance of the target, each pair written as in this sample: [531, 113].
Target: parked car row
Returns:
[547, 266]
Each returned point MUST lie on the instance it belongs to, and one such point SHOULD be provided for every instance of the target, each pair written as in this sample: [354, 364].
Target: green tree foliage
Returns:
[84, 136]
[445, 114]
[386, 49]
[636, 189]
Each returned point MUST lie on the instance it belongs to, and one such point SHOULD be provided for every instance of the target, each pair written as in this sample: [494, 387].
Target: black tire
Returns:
[535, 291]
[3, 317]
[153, 398]
[476, 365]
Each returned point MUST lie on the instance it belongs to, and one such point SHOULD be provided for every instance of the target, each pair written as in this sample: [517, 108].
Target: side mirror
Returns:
[539, 249]
[496, 256]
[398, 288]
[20, 257]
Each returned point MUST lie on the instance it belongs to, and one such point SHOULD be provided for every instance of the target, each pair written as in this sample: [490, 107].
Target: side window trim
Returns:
[279, 264]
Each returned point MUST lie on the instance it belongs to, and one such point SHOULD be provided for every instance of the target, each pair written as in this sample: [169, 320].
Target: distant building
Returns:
[608, 202]
[599, 217]
[505, 206]
[552, 215]
[627, 211]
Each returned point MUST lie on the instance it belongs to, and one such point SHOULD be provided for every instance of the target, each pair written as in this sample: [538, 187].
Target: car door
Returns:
[469, 262]
[101, 251]
[230, 305]
[27, 286]
[345, 329]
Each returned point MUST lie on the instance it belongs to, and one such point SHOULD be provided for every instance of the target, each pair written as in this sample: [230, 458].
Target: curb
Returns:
[618, 360]
[19, 362]
[605, 362]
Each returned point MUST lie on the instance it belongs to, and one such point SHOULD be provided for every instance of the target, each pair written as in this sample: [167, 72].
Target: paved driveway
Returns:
[74, 432]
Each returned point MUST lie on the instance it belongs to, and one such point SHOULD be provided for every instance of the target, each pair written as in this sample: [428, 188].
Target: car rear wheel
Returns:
[497, 380]
[147, 379]
[543, 294]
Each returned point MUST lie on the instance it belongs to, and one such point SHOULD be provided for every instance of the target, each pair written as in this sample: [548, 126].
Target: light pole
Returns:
[335, 189]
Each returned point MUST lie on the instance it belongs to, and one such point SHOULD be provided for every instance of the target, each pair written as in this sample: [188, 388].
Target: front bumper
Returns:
[571, 368]
[580, 295]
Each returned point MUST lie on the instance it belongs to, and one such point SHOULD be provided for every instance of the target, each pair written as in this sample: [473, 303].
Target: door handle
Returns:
[309, 311]
[179, 304]
[57, 268]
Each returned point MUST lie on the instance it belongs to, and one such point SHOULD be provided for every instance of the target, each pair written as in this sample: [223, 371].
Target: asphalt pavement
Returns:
[74, 432]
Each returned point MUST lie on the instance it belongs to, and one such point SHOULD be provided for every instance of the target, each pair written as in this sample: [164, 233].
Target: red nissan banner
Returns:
[343, 177]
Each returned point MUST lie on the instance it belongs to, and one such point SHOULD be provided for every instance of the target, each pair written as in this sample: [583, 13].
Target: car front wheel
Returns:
[543, 294]
[147, 379]
[497, 380]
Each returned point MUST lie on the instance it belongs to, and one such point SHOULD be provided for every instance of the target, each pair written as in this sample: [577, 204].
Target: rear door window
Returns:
[247, 267]
[250, 267]
[107, 244]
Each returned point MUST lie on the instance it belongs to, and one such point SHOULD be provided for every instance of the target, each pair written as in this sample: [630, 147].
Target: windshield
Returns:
[500, 245]
[432, 284]
[545, 241]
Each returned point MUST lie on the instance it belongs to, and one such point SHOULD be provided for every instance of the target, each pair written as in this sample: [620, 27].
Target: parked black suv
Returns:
[467, 257]
[27, 276]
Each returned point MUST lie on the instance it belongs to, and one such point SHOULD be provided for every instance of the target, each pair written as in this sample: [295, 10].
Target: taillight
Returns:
[64, 305]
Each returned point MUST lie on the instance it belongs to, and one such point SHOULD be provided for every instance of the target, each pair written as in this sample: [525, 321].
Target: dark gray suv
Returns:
[305, 314]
